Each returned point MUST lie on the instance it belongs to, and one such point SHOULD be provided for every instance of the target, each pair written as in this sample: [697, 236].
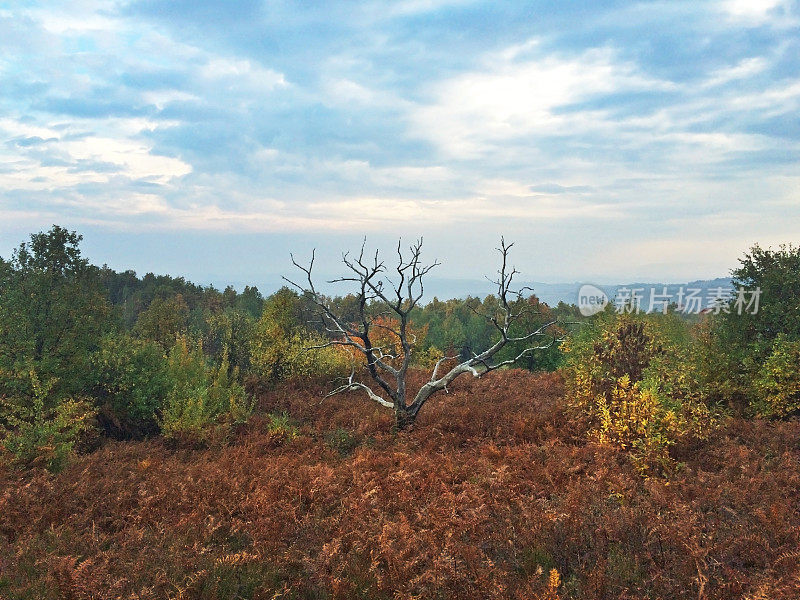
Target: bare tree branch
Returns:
[399, 298]
[355, 385]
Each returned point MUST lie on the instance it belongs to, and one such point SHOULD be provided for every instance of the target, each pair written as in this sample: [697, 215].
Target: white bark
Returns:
[368, 276]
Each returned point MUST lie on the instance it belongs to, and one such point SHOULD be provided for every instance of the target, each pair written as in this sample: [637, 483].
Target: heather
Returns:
[464, 505]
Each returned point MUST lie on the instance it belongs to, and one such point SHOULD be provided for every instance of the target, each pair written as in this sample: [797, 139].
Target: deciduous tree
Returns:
[53, 310]
[384, 307]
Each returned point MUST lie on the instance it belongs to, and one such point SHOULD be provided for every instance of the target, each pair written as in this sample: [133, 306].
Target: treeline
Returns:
[84, 348]
[86, 352]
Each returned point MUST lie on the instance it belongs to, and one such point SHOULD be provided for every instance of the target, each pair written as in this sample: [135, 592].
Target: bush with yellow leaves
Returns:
[276, 356]
[282, 348]
[40, 429]
[633, 377]
[553, 583]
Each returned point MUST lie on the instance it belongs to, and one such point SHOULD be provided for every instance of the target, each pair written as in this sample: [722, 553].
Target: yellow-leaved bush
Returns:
[634, 379]
[427, 358]
[279, 351]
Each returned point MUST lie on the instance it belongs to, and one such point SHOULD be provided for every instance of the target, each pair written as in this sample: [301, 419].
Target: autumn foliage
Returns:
[637, 387]
[318, 500]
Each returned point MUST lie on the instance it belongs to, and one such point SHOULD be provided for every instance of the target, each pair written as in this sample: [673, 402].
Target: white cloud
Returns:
[522, 205]
[81, 159]
[84, 16]
[774, 100]
[399, 176]
[743, 70]
[473, 112]
[404, 8]
[134, 158]
[242, 73]
[116, 204]
[161, 98]
[755, 10]
[347, 92]
[214, 217]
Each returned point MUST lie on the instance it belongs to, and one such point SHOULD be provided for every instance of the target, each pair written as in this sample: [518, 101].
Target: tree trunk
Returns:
[404, 418]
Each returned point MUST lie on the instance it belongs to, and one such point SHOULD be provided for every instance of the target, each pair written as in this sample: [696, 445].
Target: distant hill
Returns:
[551, 293]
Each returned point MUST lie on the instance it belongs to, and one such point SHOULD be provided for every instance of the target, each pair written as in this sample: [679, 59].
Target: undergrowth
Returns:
[496, 493]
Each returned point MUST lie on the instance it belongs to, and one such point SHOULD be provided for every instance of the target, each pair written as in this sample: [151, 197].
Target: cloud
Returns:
[474, 112]
[416, 7]
[754, 11]
[554, 122]
[35, 140]
[51, 159]
[554, 188]
[744, 69]
[243, 74]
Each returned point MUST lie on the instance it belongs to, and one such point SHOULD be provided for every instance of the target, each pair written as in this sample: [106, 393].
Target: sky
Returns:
[611, 141]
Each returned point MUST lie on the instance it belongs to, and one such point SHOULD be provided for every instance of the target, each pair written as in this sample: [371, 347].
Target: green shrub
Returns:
[739, 341]
[342, 440]
[163, 321]
[231, 331]
[204, 402]
[281, 427]
[727, 365]
[778, 382]
[227, 395]
[39, 430]
[130, 384]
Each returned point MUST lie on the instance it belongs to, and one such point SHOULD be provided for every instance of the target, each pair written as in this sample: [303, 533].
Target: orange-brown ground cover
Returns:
[493, 489]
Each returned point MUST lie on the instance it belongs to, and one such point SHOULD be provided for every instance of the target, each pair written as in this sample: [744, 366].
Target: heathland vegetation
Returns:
[160, 439]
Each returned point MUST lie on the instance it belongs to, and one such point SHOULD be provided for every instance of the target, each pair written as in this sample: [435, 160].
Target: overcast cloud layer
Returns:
[652, 140]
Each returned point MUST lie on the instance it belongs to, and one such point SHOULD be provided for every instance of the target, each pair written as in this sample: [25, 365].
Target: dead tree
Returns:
[387, 368]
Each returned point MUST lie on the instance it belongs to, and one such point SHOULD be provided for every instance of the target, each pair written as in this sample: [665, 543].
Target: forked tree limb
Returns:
[399, 299]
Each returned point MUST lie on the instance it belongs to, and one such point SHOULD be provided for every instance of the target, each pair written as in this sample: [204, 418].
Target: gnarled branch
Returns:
[399, 298]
